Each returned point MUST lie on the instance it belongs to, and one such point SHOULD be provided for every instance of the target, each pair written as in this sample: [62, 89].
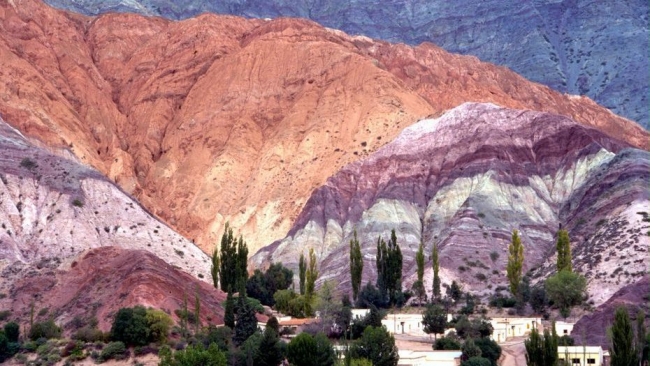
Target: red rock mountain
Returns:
[219, 118]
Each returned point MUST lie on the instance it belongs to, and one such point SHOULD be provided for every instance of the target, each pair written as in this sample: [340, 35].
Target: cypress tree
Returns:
[229, 311]
[515, 263]
[311, 275]
[356, 265]
[563, 247]
[246, 324]
[302, 271]
[389, 268]
[622, 348]
[214, 270]
[418, 286]
[228, 259]
[242, 263]
[436, 276]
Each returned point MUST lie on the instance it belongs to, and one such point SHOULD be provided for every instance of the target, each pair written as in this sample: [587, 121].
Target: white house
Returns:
[563, 328]
[406, 323]
[506, 328]
[581, 355]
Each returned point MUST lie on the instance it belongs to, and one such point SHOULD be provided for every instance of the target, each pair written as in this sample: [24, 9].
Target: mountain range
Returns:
[124, 136]
[578, 47]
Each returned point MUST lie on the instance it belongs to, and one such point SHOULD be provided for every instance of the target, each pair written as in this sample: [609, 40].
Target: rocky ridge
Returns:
[579, 47]
[54, 211]
[257, 113]
[465, 181]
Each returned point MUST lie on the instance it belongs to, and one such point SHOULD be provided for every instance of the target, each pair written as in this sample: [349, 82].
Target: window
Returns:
[575, 361]
[591, 361]
[566, 331]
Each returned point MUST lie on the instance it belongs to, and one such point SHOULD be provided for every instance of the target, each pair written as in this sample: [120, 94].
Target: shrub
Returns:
[77, 203]
[28, 163]
[446, 344]
[130, 326]
[88, 334]
[114, 350]
[476, 361]
[4, 315]
[489, 350]
[494, 255]
[193, 355]
[12, 331]
[47, 330]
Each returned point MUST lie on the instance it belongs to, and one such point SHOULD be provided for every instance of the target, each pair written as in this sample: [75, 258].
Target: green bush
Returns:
[12, 331]
[47, 329]
[114, 350]
[4, 315]
[192, 355]
[489, 349]
[89, 334]
[131, 327]
[476, 361]
[446, 344]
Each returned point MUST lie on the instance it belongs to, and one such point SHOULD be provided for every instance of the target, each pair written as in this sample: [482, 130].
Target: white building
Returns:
[581, 355]
[563, 328]
[406, 323]
[506, 328]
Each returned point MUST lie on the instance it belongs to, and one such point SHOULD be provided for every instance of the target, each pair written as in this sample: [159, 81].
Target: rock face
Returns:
[52, 209]
[217, 118]
[103, 280]
[579, 47]
[465, 181]
[592, 328]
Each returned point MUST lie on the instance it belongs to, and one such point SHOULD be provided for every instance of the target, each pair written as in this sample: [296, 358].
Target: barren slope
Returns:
[219, 118]
[465, 181]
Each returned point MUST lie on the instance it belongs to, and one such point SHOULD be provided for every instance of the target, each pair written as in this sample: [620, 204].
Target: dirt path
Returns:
[513, 353]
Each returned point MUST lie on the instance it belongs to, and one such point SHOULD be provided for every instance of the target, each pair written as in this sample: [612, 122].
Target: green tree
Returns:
[159, 324]
[454, 291]
[233, 271]
[476, 361]
[541, 350]
[418, 285]
[436, 269]
[389, 268]
[489, 349]
[131, 327]
[229, 311]
[270, 349]
[563, 247]
[538, 300]
[305, 350]
[282, 299]
[622, 349]
[376, 345]
[434, 320]
[12, 331]
[356, 265]
[263, 286]
[566, 289]
[446, 344]
[470, 349]
[246, 320]
[515, 263]
[214, 269]
[311, 275]
[302, 272]
[640, 335]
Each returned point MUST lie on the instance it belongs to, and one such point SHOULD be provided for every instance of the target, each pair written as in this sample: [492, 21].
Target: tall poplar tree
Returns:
[356, 265]
[515, 263]
[436, 269]
[214, 270]
[233, 261]
[229, 311]
[563, 247]
[302, 270]
[418, 286]
[389, 268]
[311, 275]
[622, 350]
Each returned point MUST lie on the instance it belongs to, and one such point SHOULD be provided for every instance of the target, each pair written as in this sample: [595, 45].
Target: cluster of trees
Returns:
[564, 289]
[229, 267]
